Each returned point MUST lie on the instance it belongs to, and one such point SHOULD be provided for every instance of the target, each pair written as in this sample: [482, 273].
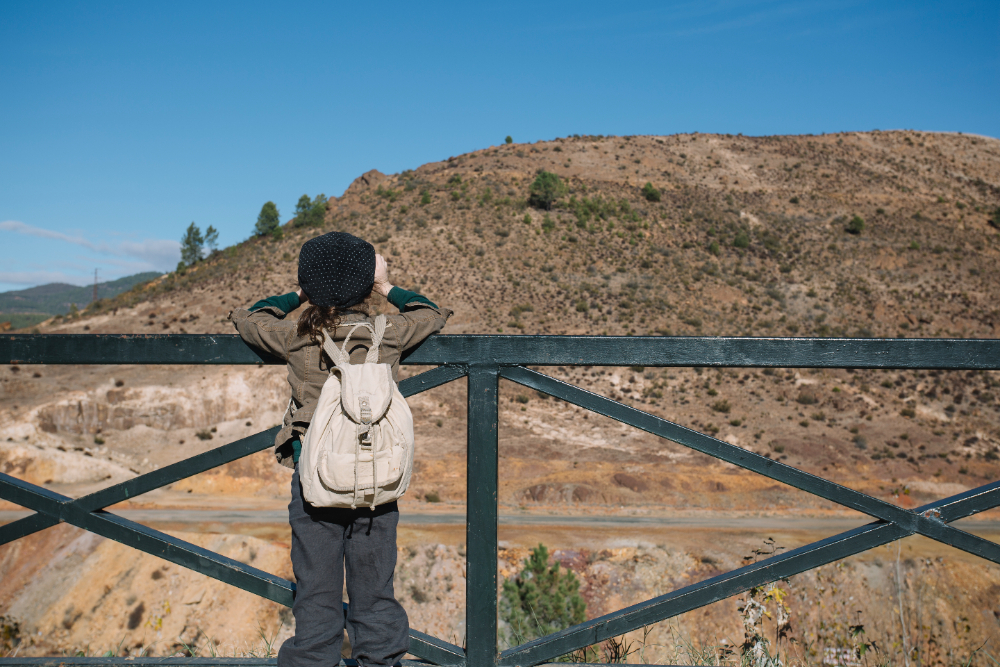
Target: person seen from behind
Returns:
[338, 276]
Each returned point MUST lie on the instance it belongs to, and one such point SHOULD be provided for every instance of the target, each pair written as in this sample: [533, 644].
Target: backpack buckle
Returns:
[365, 410]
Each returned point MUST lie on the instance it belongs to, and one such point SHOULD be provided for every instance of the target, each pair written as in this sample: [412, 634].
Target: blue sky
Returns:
[122, 122]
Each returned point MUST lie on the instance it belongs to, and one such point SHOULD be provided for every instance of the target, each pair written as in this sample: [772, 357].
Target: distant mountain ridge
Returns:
[58, 298]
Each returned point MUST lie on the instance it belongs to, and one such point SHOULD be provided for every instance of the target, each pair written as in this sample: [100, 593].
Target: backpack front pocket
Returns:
[336, 470]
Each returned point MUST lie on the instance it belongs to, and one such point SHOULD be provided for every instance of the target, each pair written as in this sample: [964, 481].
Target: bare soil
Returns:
[748, 238]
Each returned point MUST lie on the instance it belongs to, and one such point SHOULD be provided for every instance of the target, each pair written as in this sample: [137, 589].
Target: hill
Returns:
[738, 236]
[30, 306]
[860, 234]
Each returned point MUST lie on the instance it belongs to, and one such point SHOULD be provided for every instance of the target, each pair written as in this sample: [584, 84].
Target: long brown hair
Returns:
[317, 318]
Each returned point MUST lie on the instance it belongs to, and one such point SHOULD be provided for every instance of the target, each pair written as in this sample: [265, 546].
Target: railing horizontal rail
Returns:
[955, 354]
[79, 661]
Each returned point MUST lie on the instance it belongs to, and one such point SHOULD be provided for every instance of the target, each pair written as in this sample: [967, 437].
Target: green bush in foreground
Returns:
[542, 599]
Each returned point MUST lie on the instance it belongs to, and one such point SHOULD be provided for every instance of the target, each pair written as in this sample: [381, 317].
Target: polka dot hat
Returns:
[336, 269]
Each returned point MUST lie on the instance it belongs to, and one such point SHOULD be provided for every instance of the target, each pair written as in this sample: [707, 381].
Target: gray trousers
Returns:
[325, 540]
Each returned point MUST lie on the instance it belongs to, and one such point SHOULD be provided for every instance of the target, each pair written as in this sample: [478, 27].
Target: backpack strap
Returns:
[378, 333]
[341, 356]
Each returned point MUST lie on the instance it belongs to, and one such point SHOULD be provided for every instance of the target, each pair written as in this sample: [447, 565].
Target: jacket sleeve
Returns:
[260, 325]
[420, 319]
[405, 299]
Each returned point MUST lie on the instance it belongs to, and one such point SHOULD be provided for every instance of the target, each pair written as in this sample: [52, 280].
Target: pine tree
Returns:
[191, 245]
[302, 209]
[268, 221]
[310, 212]
[540, 600]
[212, 239]
[546, 189]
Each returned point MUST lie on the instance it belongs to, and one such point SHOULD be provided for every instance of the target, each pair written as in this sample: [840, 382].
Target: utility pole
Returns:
[95, 286]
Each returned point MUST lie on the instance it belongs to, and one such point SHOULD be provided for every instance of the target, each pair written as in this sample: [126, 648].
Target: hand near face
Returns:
[382, 284]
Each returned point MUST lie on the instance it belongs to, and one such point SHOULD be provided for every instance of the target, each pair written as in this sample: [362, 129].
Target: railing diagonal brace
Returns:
[731, 583]
[817, 486]
[148, 540]
[53, 507]
[430, 379]
[436, 650]
[145, 483]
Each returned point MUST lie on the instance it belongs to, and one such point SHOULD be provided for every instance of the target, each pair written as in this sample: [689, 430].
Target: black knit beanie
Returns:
[336, 269]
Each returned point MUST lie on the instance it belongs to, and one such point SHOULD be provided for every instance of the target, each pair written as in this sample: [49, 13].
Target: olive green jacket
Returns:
[308, 367]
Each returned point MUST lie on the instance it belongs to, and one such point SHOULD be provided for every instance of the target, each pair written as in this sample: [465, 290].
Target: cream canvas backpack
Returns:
[358, 449]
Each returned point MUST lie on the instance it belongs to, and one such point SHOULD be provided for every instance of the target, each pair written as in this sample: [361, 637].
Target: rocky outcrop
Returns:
[365, 182]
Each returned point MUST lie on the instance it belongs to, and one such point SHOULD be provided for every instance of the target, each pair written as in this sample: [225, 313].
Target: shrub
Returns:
[546, 189]
[548, 224]
[713, 248]
[722, 406]
[582, 306]
[508, 140]
[425, 198]
[742, 240]
[523, 308]
[204, 434]
[650, 193]
[856, 225]
[806, 398]
[540, 600]
[267, 220]
[995, 218]
[908, 412]
[432, 497]
[522, 399]
[793, 200]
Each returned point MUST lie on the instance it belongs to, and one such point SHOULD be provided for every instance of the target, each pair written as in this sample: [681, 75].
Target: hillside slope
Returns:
[749, 237]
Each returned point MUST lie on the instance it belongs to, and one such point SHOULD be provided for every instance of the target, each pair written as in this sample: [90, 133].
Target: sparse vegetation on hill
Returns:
[750, 236]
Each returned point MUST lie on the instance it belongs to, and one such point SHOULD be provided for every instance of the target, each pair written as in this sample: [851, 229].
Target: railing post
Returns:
[481, 528]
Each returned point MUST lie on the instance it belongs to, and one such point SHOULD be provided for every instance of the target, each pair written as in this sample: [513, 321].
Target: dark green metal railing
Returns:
[484, 360]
